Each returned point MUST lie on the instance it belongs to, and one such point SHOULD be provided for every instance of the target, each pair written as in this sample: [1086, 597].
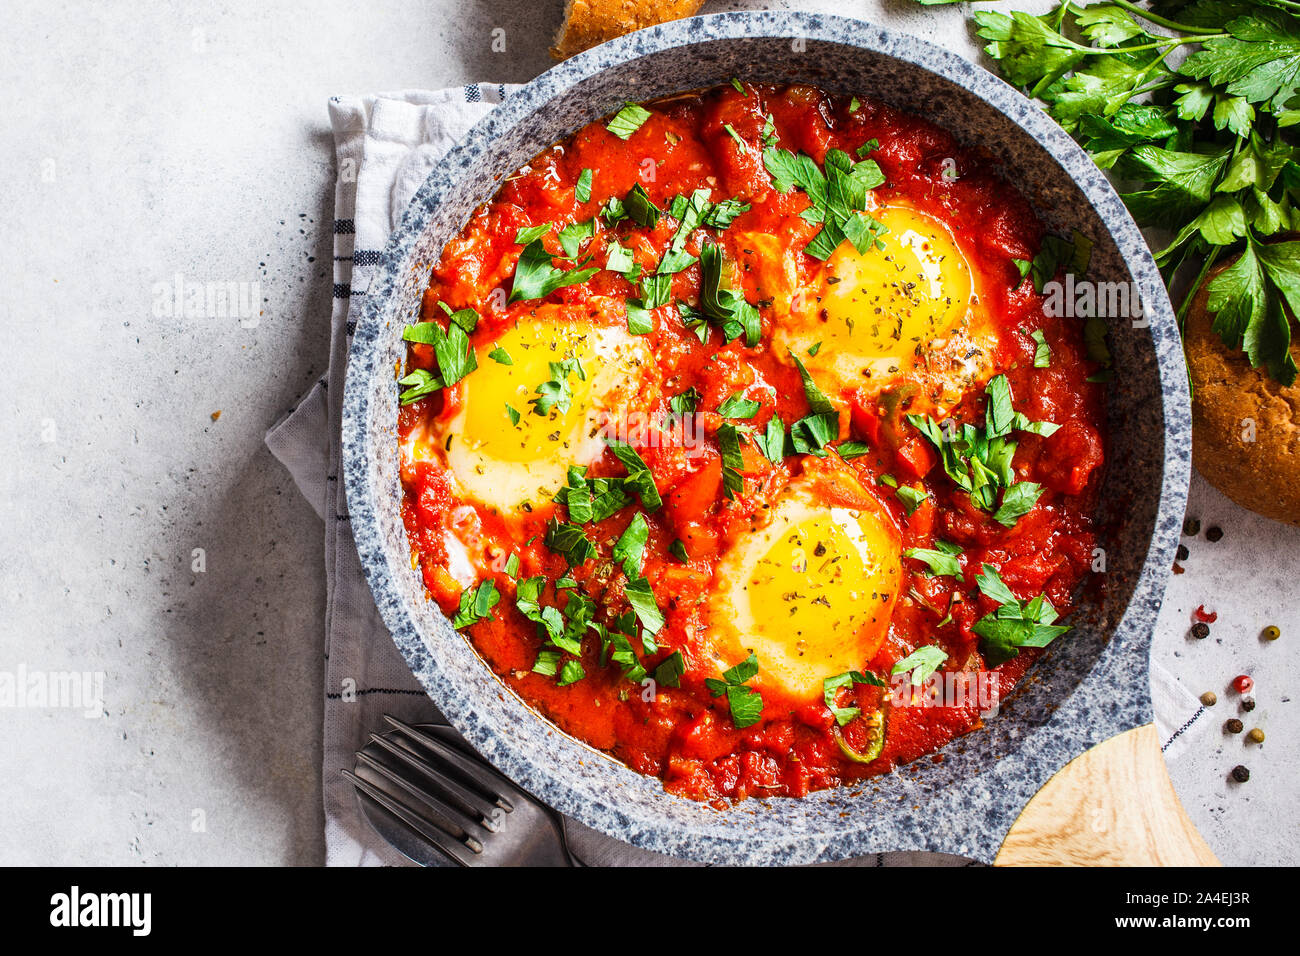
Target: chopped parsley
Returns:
[922, 662]
[816, 430]
[628, 120]
[582, 189]
[570, 541]
[630, 546]
[642, 599]
[1042, 351]
[450, 347]
[536, 276]
[746, 703]
[831, 685]
[639, 479]
[912, 498]
[720, 305]
[639, 319]
[476, 604]
[639, 208]
[732, 460]
[573, 235]
[941, 559]
[979, 460]
[1015, 624]
[670, 670]
[838, 197]
[737, 406]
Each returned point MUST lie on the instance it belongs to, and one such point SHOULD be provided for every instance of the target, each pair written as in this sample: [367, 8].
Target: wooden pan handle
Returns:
[1112, 805]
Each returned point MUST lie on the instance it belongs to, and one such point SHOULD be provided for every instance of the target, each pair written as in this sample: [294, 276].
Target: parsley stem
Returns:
[1170, 43]
[1156, 18]
[1196, 284]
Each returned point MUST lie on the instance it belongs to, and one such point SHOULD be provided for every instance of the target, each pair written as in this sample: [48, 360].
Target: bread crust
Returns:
[589, 22]
[1231, 403]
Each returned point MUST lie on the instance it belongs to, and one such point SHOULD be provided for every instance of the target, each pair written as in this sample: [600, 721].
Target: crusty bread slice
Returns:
[588, 22]
[1245, 426]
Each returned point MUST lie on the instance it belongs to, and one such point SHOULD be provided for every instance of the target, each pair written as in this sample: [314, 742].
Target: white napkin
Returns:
[385, 146]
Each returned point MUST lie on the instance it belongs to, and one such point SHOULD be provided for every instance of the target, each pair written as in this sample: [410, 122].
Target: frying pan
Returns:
[1069, 770]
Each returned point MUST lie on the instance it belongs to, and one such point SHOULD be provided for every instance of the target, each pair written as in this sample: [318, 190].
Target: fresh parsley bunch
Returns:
[1193, 105]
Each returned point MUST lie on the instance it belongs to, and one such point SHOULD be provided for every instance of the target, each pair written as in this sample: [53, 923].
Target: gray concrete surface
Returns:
[148, 141]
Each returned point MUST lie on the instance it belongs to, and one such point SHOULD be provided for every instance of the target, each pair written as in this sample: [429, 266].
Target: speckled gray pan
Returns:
[1090, 686]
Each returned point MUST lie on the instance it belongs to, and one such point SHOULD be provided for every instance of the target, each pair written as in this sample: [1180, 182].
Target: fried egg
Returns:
[811, 591]
[501, 452]
[906, 309]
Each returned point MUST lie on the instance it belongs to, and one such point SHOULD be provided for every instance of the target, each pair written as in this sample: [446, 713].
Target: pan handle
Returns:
[1113, 805]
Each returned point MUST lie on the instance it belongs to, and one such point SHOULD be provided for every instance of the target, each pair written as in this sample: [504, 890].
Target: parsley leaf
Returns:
[746, 703]
[737, 406]
[536, 276]
[732, 460]
[670, 670]
[1016, 623]
[830, 685]
[476, 604]
[941, 559]
[1207, 142]
[582, 189]
[639, 478]
[922, 662]
[630, 546]
[628, 120]
[721, 306]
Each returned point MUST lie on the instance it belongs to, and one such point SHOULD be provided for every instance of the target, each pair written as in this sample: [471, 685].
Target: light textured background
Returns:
[143, 141]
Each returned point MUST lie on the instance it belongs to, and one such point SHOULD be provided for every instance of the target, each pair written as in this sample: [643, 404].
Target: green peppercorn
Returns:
[1200, 630]
[1209, 698]
[1256, 735]
[1213, 533]
[1240, 774]
[1272, 632]
[1234, 726]
[1192, 527]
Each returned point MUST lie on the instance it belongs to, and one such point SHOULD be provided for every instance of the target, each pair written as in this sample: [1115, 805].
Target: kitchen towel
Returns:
[385, 146]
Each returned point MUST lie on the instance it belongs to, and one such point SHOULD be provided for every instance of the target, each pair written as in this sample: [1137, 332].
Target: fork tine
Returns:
[489, 811]
[457, 850]
[475, 770]
[453, 814]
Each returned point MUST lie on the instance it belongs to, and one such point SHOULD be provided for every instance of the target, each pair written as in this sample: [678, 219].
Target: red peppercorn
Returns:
[1243, 683]
[1201, 614]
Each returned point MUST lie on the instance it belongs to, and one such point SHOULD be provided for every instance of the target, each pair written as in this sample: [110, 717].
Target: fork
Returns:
[434, 800]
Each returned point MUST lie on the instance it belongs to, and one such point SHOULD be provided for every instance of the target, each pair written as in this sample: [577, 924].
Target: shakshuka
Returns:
[738, 439]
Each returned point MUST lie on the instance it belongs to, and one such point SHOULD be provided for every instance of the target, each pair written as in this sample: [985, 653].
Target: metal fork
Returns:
[433, 799]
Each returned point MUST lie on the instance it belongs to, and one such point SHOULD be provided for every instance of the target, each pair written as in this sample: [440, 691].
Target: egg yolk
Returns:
[538, 354]
[810, 594]
[889, 301]
[501, 450]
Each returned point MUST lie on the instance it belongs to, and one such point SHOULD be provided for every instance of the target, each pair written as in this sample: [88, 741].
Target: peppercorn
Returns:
[1213, 533]
[1272, 632]
[1248, 704]
[1200, 630]
[1183, 553]
[1234, 726]
[1192, 527]
[1240, 774]
[1243, 683]
[1209, 698]
[1256, 735]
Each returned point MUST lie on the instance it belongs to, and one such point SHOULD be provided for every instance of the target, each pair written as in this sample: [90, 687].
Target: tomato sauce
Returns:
[685, 735]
